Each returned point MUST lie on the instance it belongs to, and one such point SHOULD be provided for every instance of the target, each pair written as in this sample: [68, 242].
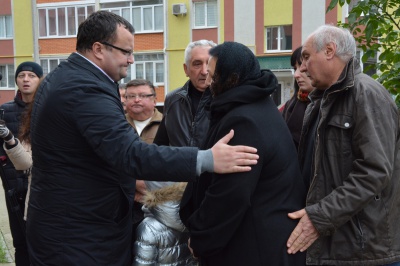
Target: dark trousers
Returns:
[17, 226]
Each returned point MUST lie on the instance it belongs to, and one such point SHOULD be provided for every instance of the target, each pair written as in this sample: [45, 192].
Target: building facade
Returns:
[44, 31]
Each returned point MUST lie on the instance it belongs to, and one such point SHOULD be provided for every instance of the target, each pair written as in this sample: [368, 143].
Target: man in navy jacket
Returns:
[86, 156]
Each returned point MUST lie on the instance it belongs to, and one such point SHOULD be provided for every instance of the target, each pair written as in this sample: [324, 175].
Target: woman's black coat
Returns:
[242, 218]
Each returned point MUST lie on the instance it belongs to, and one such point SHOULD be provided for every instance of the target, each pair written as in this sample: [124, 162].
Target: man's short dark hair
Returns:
[100, 26]
[141, 82]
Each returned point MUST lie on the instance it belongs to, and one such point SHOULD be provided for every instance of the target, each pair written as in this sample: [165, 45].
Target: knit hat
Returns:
[29, 66]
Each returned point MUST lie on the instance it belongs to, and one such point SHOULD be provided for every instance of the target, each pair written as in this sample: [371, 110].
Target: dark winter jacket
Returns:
[293, 113]
[354, 198]
[85, 158]
[179, 125]
[16, 179]
[12, 113]
[12, 116]
[242, 218]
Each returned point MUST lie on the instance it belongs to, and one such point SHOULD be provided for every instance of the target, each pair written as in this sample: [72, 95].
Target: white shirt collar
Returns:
[96, 67]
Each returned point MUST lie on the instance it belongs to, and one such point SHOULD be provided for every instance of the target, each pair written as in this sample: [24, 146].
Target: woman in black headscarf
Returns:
[241, 218]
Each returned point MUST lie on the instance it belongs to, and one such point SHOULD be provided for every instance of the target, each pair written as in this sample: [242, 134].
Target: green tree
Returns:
[375, 26]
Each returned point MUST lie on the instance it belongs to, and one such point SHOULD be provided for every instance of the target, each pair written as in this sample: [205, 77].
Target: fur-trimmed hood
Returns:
[164, 203]
[159, 196]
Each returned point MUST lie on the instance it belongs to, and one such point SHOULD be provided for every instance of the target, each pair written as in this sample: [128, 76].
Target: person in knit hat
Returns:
[27, 78]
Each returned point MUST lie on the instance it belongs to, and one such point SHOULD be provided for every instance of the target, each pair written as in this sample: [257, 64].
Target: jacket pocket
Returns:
[339, 135]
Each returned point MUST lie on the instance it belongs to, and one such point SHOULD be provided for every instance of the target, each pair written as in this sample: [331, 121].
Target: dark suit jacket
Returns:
[85, 159]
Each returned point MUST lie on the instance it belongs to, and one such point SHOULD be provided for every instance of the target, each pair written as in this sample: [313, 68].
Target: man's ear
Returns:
[186, 69]
[97, 49]
[330, 50]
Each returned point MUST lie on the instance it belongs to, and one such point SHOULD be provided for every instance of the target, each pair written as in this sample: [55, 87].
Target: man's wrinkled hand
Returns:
[303, 235]
[231, 159]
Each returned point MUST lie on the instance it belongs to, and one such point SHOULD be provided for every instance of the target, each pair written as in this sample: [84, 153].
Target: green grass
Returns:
[3, 258]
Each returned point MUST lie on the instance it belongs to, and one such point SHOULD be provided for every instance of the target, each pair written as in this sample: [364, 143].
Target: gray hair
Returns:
[189, 48]
[345, 42]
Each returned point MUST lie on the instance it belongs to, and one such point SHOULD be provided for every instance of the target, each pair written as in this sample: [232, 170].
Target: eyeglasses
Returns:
[140, 96]
[125, 52]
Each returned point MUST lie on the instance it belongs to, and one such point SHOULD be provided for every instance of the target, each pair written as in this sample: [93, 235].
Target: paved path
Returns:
[5, 233]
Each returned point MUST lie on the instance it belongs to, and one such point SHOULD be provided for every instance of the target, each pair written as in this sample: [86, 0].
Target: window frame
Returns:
[143, 63]
[130, 8]
[46, 64]
[5, 19]
[46, 23]
[206, 12]
[370, 61]
[278, 38]
[351, 5]
[9, 77]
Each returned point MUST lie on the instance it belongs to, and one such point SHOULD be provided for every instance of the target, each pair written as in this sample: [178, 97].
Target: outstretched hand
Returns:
[303, 235]
[231, 159]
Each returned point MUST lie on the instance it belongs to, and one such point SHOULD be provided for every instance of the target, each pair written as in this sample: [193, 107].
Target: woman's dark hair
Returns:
[100, 26]
[296, 58]
[24, 133]
[236, 64]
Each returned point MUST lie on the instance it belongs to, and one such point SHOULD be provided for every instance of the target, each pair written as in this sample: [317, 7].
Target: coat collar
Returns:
[345, 81]
[250, 91]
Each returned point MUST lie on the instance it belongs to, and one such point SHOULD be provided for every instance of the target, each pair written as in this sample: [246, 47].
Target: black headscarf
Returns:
[236, 63]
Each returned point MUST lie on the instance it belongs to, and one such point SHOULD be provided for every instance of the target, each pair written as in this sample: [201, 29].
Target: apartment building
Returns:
[45, 31]
[16, 42]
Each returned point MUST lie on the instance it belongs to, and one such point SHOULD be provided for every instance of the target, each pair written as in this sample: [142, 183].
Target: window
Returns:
[8, 81]
[62, 21]
[147, 66]
[369, 67]
[351, 5]
[205, 14]
[279, 39]
[49, 65]
[354, 3]
[145, 16]
[6, 27]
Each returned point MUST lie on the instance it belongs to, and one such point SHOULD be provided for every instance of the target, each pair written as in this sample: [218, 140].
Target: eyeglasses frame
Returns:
[140, 96]
[125, 52]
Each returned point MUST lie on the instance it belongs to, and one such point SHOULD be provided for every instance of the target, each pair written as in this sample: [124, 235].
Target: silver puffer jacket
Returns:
[161, 238]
